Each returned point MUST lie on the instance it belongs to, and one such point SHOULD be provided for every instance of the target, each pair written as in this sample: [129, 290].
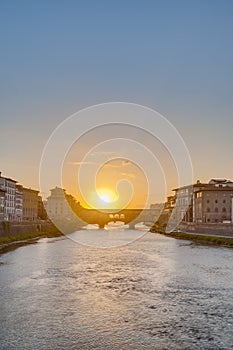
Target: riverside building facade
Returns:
[9, 186]
[205, 203]
[2, 204]
[30, 204]
[19, 203]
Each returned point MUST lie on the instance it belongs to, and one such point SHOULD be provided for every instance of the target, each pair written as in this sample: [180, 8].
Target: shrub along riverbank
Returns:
[198, 238]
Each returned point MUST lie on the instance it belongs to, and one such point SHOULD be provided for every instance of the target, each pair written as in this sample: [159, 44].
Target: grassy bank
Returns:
[11, 242]
[201, 239]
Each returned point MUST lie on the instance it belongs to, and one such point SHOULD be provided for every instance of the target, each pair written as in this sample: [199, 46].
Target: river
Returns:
[155, 293]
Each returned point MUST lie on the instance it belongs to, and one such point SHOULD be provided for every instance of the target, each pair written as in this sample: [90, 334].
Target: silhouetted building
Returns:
[169, 204]
[42, 214]
[60, 205]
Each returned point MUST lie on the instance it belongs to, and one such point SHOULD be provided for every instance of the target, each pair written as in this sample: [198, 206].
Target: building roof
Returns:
[190, 186]
[30, 190]
[211, 185]
[219, 181]
[8, 179]
[213, 188]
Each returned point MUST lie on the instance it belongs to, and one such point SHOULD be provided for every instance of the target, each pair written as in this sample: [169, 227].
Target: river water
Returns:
[155, 293]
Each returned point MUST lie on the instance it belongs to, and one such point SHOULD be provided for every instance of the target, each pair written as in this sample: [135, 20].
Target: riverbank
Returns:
[9, 243]
[197, 238]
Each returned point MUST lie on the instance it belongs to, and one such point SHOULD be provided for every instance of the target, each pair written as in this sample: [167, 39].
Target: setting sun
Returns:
[107, 195]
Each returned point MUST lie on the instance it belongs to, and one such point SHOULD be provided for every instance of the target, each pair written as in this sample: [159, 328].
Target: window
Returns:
[216, 210]
[224, 210]
[216, 201]
[208, 201]
[224, 201]
[208, 210]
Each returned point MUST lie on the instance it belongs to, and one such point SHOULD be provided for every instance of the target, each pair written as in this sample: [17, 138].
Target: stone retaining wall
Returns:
[13, 229]
[217, 229]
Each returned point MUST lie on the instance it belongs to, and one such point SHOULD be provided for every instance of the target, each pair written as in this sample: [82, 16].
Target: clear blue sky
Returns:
[60, 56]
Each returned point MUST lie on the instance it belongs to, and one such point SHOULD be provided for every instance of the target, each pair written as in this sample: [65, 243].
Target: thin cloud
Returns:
[109, 165]
[81, 163]
[122, 164]
[130, 175]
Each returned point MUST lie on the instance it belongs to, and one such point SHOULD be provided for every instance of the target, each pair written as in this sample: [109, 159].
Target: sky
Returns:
[134, 178]
[57, 57]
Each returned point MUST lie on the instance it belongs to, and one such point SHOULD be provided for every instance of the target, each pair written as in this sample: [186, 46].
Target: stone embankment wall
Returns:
[216, 229]
[13, 229]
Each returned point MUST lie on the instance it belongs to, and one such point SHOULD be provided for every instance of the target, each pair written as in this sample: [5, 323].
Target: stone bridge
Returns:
[129, 216]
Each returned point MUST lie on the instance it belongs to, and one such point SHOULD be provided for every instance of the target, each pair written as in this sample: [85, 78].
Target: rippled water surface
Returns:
[156, 293]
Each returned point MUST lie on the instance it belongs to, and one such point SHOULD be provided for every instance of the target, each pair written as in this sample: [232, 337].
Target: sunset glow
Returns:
[107, 195]
[116, 176]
